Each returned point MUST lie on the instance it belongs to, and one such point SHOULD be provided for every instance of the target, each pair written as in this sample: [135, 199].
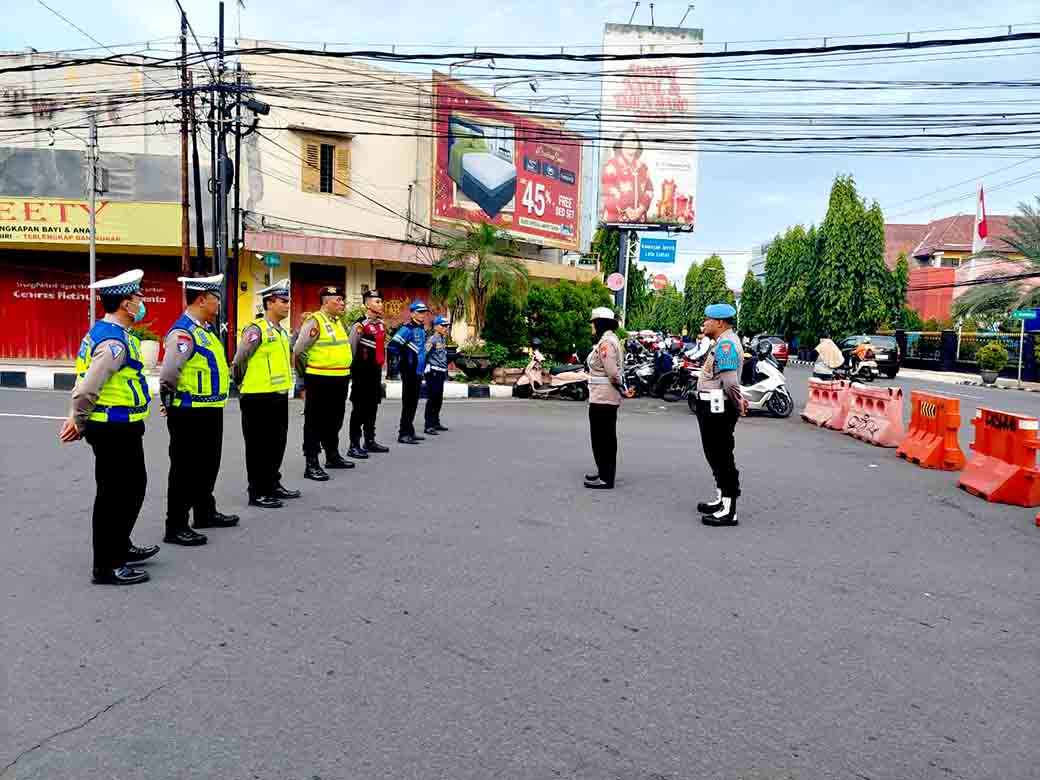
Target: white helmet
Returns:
[602, 313]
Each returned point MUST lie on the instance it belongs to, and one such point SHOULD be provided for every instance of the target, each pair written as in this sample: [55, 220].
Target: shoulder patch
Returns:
[726, 356]
[254, 335]
[117, 349]
[314, 333]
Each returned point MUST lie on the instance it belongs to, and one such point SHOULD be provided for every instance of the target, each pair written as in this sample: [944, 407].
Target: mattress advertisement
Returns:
[514, 171]
[648, 172]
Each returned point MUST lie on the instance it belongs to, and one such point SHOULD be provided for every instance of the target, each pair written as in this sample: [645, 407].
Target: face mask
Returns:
[139, 315]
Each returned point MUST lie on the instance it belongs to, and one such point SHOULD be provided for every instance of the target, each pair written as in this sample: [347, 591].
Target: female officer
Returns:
[605, 386]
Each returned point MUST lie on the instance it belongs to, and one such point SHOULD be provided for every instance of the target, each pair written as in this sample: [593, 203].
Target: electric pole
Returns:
[185, 221]
[92, 176]
[221, 175]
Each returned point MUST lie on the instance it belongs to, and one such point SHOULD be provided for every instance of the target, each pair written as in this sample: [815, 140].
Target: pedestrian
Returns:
[262, 369]
[436, 374]
[109, 406]
[368, 345]
[606, 385]
[719, 404]
[322, 357]
[409, 343]
[193, 391]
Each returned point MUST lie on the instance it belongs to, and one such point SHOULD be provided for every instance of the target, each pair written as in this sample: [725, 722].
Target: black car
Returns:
[886, 352]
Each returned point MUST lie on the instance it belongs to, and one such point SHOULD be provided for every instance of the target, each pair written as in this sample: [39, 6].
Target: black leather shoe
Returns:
[185, 537]
[706, 508]
[407, 440]
[217, 520]
[722, 518]
[315, 471]
[124, 575]
[417, 437]
[440, 427]
[137, 554]
[266, 502]
[597, 484]
[591, 477]
[431, 432]
[374, 446]
[337, 461]
[281, 491]
[357, 453]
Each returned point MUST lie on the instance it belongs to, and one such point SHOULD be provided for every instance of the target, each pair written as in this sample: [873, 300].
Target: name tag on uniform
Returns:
[328, 329]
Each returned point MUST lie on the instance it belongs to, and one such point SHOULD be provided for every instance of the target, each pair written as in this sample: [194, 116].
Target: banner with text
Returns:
[493, 165]
[55, 222]
[649, 160]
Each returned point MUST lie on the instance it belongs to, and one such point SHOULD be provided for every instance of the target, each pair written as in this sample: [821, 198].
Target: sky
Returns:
[743, 199]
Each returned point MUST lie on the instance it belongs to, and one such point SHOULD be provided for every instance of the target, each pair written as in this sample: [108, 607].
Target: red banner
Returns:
[493, 165]
[49, 304]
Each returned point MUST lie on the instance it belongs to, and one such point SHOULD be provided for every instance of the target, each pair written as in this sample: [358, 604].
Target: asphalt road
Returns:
[464, 609]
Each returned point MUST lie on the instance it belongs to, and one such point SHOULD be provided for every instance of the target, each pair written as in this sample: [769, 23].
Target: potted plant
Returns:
[992, 359]
[149, 343]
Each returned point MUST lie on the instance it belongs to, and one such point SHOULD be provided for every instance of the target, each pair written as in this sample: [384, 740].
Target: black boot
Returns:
[124, 575]
[315, 471]
[281, 491]
[337, 461]
[265, 502]
[708, 507]
[374, 446]
[184, 537]
[357, 453]
[137, 554]
[431, 431]
[725, 515]
[406, 439]
[217, 520]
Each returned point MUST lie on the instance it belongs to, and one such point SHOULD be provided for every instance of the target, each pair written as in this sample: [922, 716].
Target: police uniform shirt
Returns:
[722, 367]
[305, 339]
[107, 358]
[250, 342]
[605, 361]
[179, 346]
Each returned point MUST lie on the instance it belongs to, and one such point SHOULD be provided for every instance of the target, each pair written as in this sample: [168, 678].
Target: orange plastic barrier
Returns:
[1003, 464]
[826, 402]
[875, 415]
[931, 439]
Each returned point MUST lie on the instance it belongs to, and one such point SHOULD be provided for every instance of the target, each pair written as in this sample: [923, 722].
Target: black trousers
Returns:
[365, 395]
[324, 407]
[410, 384]
[196, 438]
[434, 397]
[265, 427]
[717, 440]
[603, 428]
[121, 479]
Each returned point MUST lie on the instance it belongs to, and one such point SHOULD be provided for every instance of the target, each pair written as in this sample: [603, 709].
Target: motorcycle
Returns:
[569, 382]
[765, 390]
[865, 370]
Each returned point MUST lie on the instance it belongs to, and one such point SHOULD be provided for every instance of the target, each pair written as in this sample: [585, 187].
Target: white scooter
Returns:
[768, 392]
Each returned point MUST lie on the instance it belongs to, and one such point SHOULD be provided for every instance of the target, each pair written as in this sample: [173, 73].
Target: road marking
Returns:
[31, 416]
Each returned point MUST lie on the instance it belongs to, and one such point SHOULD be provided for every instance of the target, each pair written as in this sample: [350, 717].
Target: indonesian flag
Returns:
[978, 239]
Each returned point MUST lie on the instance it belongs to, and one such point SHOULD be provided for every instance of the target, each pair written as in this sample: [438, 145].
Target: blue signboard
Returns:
[657, 250]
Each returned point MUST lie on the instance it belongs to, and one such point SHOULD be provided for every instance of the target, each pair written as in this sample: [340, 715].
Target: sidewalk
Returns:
[53, 375]
[951, 378]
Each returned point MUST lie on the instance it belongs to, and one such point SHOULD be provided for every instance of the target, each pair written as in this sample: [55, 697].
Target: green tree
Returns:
[558, 314]
[692, 314]
[750, 319]
[790, 264]
[637, 295]
[472, 268]
[993, 302]
[900, 282]
[663, 310]
[711, 287]
[605, 247]
[506, 324]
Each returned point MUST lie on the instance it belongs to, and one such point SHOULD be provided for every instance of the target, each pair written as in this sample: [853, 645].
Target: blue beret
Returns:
[720, 311]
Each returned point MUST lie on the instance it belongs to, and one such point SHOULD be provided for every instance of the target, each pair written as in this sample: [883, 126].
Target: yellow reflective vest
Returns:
[330, 355]
[205, 379]
[268, 369]
[124, 397]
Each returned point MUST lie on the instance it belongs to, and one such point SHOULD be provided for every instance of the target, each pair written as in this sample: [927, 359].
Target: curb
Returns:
[970, 383]
[31, 378]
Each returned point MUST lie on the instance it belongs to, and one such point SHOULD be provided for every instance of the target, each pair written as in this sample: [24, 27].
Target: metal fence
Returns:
[924, 346]
[968, 345]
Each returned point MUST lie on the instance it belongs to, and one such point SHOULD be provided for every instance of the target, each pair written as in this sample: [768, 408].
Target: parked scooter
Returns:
[863, 371]
[766, 390]
[569, 382]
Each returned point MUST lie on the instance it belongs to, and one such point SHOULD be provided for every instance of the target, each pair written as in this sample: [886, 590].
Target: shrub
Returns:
[496, 353]
[505, 324]
[145, 332]
[993, 357]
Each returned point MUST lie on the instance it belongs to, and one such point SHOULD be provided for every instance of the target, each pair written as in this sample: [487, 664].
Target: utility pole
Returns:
[200, 230]
[232, 275]
[92, 175]
[185, 220]
[221, 176]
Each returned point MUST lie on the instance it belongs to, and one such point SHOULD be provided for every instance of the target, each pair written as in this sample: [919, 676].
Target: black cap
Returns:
[331, 290]
[371, 294]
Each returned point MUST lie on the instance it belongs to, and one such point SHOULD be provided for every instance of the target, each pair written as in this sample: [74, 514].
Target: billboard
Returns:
[57, 221]
[517, 172]
[648, 175]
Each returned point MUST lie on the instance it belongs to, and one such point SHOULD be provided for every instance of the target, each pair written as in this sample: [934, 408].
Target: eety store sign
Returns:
[50, 221]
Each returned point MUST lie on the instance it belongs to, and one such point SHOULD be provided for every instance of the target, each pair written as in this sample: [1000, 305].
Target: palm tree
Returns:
[473, 267]
[993, 302]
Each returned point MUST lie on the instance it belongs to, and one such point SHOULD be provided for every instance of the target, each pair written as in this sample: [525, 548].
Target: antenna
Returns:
[688, 9]
[634, 9]
[651, 14]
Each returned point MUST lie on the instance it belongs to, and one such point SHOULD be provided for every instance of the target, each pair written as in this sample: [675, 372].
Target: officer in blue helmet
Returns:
[719, 404]
[436, 374]
[409, 343]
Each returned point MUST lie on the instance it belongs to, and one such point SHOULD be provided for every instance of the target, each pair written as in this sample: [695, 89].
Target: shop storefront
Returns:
[44, 269]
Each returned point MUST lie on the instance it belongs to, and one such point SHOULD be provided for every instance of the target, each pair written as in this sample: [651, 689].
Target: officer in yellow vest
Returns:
[263, 372]
[322, 357]
[193, 390]
[109, 406]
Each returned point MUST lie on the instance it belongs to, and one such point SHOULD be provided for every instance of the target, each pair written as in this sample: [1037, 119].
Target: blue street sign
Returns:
[657, 250]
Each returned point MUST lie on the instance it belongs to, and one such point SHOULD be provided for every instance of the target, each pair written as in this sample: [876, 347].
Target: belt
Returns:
[600, 380]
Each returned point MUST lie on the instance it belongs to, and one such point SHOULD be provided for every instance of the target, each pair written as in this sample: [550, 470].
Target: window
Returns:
[325, 166]
[328, 151]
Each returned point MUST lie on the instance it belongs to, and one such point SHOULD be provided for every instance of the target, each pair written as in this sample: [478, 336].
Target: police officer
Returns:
[368, 344]
[605, 385]
[323, 356]
[719, 404]
[436, 374]
[409, 343]
[193, 390]
[262, 369]
[109, 406]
